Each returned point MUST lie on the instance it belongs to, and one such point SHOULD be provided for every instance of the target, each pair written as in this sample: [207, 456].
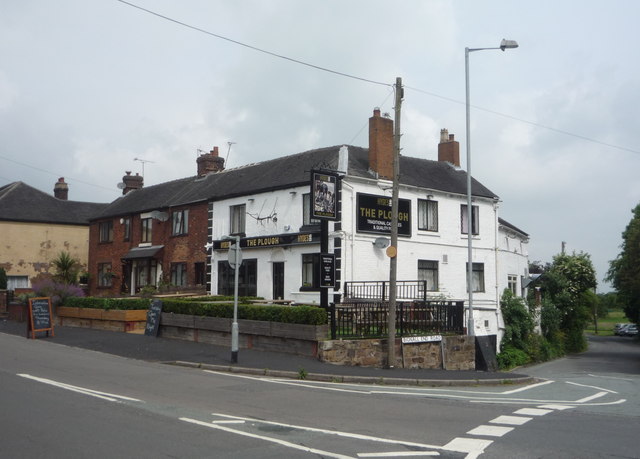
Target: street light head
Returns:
[508, 44]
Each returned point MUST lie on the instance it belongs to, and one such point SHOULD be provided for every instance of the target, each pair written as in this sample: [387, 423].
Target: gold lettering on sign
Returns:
[304, 238]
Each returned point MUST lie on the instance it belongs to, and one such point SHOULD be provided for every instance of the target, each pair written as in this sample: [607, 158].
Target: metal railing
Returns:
[369, 319]
[379, 290]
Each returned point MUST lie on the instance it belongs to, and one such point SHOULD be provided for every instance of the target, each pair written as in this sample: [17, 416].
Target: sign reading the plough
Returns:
[374, 215]
[324, 195]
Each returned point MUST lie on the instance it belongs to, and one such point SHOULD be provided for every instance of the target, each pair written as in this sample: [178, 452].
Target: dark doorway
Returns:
[278, 280]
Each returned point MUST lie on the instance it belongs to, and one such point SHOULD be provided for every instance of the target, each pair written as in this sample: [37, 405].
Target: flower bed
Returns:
[128, 321]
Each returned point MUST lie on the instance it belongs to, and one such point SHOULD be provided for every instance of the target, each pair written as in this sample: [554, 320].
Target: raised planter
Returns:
[128, 321]
[267, 336]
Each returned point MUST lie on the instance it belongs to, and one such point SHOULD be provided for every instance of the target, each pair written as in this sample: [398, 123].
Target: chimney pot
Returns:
[448, 148]
[210, 162]
[132, 182]
[61, 189]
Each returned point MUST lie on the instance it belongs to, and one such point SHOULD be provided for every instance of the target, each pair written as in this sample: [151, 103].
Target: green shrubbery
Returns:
[306, 315]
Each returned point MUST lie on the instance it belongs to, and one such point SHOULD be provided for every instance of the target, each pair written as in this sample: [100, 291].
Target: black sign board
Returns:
[327, 270]
[374, 215]
[277, 240]
[39, 316]
[324, 195]
[153, 318]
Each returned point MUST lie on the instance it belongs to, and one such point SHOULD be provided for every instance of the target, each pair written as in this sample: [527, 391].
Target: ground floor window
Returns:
[14, 282]
[310, 271]
[200, 274]
[477, 279]
[104, 275]
[179, 274]
[146, 271]
[428, 271]
[247, 278]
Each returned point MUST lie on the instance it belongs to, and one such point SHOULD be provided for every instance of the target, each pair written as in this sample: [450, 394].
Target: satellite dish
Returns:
[381, 243]
[121, 185]
[162, 216]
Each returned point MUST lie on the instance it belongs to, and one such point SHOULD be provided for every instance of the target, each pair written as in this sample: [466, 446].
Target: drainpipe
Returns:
[351, 238]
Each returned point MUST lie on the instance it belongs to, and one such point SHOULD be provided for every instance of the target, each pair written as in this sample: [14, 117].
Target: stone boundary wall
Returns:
[296, 339]
[458, 353]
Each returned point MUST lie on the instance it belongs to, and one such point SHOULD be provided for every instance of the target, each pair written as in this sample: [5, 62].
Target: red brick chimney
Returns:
[381, 145]
[131, 182]
[61, 189]
[210, 162]
[448, 149]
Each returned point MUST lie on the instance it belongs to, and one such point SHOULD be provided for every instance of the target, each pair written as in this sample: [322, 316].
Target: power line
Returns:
[532, 123]
[54, 174]
[254, 48]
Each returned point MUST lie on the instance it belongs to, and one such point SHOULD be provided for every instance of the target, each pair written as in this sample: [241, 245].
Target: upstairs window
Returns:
[306, 211]
[146, 233]
[512, 283]
[475, 227]
[106, 231]
[179, 222]
[237, 218]
[427, 215]
[126, 228]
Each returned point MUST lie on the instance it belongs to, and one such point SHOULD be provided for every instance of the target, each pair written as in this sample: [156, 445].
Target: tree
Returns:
[67, 268]
[565, 284]
[624, 271]
[3, 279]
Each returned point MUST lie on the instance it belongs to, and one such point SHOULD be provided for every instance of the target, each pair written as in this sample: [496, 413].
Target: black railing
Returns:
[379, 290]
[369, 319]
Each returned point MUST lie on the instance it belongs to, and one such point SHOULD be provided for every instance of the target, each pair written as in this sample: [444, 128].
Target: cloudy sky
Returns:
[87, 86]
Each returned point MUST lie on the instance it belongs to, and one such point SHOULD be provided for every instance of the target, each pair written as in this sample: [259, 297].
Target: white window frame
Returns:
[427, 215]
[475, 217]
[180, 222]
[237, 219]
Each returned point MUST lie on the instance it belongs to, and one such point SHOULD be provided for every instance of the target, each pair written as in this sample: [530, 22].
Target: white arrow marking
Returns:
[82, 390]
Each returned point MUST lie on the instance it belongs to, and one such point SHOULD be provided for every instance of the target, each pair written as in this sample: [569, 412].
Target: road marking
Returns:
[82, 390]
[400, 454]
[532, 411]
[532, 386]
[592, 387]
[610, 377]
[490, 431]
[269, 439]
[591, 397]
[556, 407]
[227, 422]
[511, 420]
[330, 432]
[472, 446]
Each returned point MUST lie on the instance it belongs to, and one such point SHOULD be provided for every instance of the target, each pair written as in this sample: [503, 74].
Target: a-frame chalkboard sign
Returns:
[39, 317]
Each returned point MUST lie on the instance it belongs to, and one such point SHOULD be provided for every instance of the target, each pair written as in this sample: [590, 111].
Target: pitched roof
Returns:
[22, 203]
[286, 172]
[505, 223]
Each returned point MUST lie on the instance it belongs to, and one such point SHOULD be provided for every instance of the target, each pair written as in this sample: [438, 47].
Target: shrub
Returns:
[511, 357]
[59, 292]
[108, 303]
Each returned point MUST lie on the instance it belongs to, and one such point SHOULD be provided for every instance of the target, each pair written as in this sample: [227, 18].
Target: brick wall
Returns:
[187, 248]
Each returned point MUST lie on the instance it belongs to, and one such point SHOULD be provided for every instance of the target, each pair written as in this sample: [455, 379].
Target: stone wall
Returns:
[458, 353]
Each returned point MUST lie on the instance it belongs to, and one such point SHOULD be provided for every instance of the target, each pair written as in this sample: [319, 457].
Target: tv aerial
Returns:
[143, 161]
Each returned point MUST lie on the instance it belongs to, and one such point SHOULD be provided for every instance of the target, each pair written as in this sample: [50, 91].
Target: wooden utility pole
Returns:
[393, 253]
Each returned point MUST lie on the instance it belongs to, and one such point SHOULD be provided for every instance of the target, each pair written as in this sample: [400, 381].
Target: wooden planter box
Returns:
[269, 336]
[128, 321]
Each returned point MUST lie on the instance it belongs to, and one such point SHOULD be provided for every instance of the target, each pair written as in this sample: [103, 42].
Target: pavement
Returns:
[254, 362]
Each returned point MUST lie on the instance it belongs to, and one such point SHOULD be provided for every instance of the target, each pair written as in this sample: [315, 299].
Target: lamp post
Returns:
[235, 261]
[504, 44]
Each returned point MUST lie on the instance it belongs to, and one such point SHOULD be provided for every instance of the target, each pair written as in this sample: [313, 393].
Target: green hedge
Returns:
[107, 303]
[200, 299]
[307, 315]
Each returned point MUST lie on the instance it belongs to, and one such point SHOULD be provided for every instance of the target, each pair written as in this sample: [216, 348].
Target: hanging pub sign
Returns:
[327, 270]
[324, 195]
[374, 215]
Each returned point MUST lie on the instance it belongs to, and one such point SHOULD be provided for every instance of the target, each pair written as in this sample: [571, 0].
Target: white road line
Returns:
[557, 407]
[490, 431]
[269, 439]
[533, 386]
[591, 397]
[592, 387]
[331, 432]
[400, 454]
[511, 420]
[532, 412]
[472, 446]
[610, 377]
[82, 390]
[227, 422]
